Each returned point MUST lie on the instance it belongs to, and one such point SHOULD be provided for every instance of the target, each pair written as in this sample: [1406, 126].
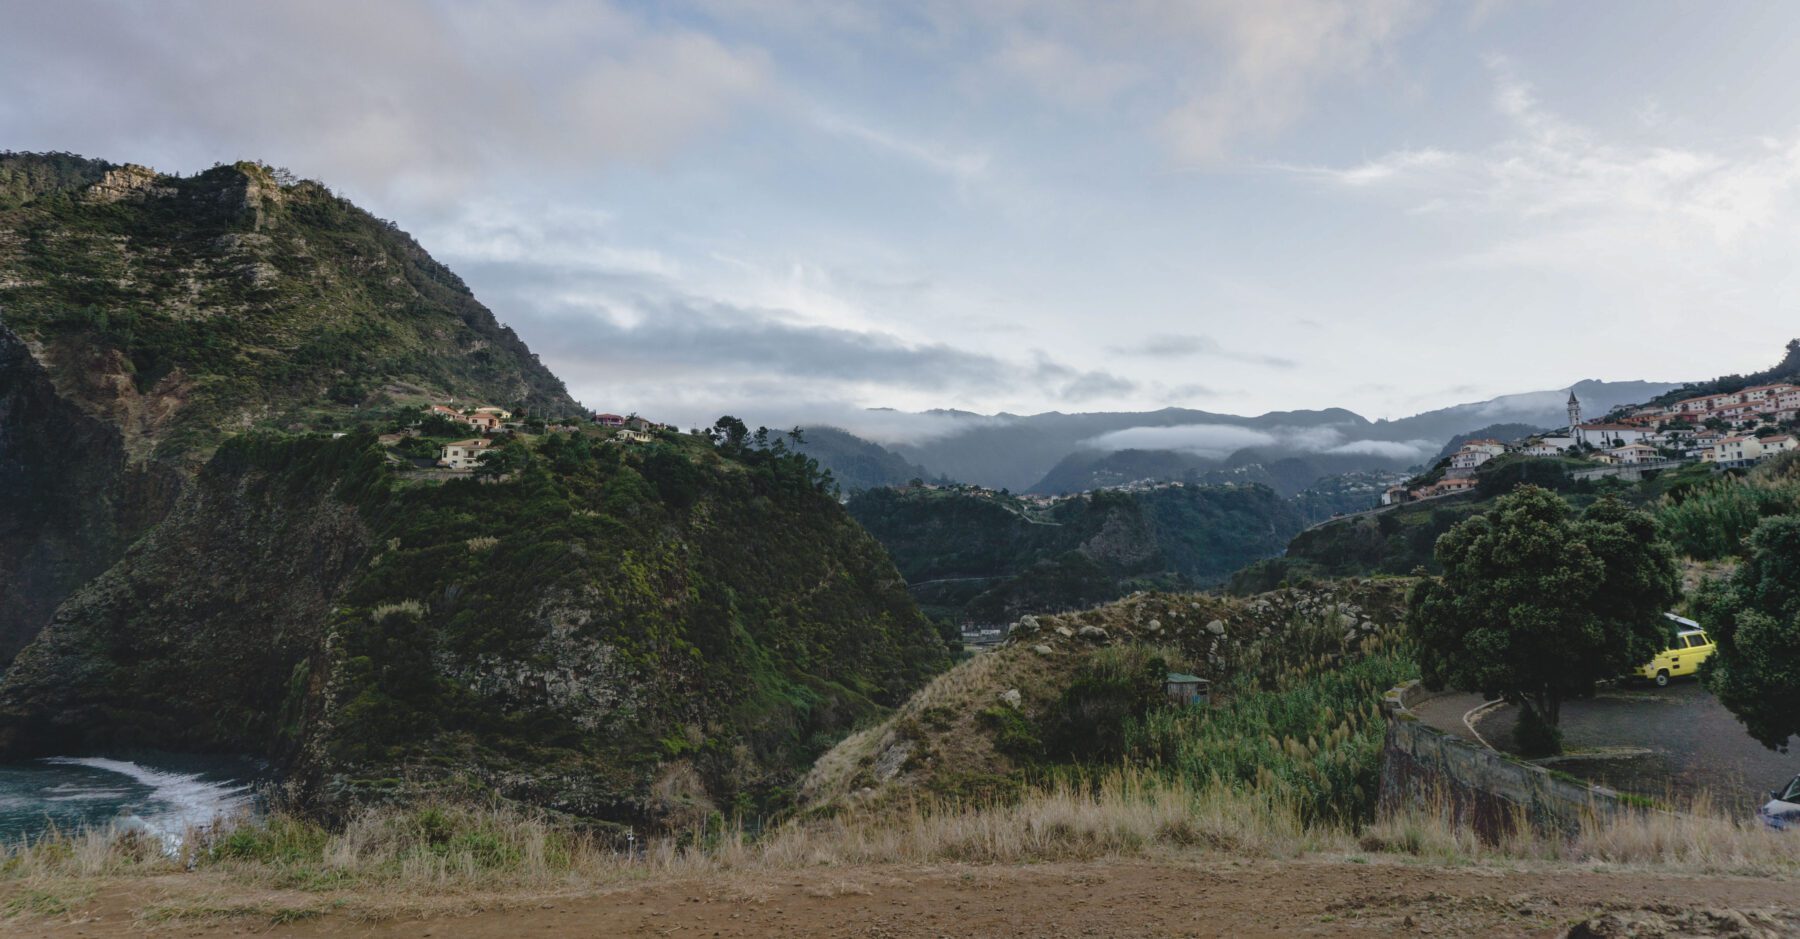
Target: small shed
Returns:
[1187, 690]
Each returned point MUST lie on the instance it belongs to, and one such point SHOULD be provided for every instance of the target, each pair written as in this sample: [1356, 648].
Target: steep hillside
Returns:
[980, 556]
[1099, 469]
[143, 316]
[628, 636]
[1788, 369]
[857, 463]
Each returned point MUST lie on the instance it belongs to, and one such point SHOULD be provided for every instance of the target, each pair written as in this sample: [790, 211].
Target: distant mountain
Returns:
[1538, 408]
[1057, 452]
[1009, 451]
[859, 464]
[1099, 469]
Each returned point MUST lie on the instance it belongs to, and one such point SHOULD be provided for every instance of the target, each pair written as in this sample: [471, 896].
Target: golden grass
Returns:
[387, 857]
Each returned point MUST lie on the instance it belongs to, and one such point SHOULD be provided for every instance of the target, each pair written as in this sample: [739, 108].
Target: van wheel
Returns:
[1662, 679]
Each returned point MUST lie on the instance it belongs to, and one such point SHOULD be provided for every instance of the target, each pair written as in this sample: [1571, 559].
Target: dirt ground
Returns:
[1177, 898]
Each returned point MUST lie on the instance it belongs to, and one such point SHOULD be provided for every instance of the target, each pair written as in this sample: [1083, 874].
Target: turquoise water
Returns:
[160, 794]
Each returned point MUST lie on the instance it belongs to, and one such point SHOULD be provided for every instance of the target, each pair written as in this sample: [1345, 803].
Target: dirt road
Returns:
[1212, 896]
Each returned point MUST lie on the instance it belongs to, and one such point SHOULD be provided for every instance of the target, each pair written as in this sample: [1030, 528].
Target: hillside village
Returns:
[1730, 430]
[494, 424]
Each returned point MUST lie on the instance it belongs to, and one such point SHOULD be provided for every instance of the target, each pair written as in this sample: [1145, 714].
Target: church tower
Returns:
[1574, 417]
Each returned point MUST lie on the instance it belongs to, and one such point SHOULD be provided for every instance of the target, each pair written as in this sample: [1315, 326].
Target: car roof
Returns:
[1691, 632]
[1683, 621]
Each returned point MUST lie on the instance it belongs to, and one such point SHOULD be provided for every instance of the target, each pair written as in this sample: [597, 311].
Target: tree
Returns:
[1538, 605]
[509, 457]
[1754, 618]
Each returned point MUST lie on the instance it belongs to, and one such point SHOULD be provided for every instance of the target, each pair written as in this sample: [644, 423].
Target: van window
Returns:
[1695, 642]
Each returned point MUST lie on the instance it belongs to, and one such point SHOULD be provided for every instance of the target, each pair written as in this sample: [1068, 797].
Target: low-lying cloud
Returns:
[1217, 441]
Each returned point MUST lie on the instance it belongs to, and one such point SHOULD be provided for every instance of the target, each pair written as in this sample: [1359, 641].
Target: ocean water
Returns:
[160, 794]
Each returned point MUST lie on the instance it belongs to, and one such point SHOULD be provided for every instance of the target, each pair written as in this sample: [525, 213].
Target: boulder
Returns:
[1012, 698]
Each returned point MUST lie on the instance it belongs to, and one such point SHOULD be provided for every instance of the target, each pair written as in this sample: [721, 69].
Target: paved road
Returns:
[1667, 743]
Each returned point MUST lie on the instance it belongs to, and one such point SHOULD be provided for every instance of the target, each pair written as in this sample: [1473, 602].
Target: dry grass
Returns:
[390, 855]
[390, 863]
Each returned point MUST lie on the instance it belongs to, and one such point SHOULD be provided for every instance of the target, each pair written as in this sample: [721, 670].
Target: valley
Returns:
[495, 660]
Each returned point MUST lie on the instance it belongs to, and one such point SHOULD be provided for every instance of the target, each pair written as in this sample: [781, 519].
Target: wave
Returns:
[176, 801]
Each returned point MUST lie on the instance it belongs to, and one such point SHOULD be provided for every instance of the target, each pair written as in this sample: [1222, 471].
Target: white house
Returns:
[1737, 450]
[1778, 444]
[1476, 452]
[464, 454]
[1631, 454]
[1549, 445]
[1605, 436]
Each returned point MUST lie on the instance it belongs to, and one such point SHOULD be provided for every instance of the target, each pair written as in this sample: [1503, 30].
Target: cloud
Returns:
[960, 165]
[1277, 53]
[409, 96]
[1183, 345]
[1217, 441]
[1558, 196]
[1209, 440]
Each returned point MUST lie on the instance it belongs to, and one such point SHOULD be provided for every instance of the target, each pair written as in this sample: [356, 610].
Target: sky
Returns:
[796, 210]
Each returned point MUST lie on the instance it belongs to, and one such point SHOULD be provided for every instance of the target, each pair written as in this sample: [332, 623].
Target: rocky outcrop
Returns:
[145, 317]
[75, 501]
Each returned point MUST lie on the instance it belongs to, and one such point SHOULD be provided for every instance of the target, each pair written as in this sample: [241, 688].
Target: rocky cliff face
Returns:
[143, 317]
[628, 637]
[76, 503]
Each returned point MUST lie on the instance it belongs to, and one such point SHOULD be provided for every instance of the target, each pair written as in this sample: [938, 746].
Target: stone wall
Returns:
[1491, 793]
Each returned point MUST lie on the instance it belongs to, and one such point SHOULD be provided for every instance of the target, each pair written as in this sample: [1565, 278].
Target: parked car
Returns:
[1782, 811]
[1692, 646]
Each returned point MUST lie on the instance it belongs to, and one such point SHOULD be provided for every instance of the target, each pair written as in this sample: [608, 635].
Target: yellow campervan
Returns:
[1692, 646]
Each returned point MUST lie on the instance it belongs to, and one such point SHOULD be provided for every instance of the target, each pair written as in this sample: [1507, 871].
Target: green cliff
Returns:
[618, 635]
[145, 316]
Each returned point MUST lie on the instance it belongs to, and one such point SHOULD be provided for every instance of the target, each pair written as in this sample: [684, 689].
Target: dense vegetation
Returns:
[987, 557]
[614, 632]
[1754, 616]
[239, 291]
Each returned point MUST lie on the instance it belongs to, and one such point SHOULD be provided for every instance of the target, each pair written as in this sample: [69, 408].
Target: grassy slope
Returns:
[1296, 674]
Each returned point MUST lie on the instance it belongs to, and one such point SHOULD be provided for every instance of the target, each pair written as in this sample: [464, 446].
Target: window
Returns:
[1695, 642]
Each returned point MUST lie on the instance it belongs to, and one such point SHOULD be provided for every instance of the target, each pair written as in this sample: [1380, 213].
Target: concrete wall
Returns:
[1493, 794]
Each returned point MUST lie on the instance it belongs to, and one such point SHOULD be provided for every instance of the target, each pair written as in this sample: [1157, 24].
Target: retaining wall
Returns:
[1487, 791]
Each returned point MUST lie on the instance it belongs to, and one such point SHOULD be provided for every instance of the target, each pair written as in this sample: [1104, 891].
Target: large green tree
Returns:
[1755, 619]
[1538, 604]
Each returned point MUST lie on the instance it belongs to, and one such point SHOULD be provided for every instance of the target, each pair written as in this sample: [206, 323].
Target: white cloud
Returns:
[1559, 196]
[959, 164]
[1217, 441]
[1277, 53]
[411, 97]
[1209, 440]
